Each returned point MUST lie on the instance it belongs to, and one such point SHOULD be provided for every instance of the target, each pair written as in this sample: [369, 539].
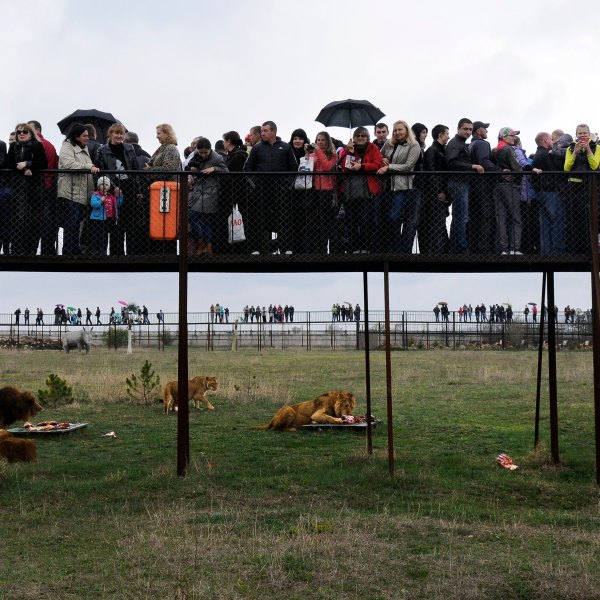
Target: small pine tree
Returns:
[145, 388]
[250, 387]
[57, 392]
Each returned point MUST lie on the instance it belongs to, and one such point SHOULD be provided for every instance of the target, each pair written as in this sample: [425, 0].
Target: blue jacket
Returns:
[98, 212]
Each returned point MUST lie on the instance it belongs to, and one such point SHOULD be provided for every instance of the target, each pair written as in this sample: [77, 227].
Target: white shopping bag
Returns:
[236, 226]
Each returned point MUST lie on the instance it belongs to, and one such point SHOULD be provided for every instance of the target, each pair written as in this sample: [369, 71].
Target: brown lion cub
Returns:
[326, 408]
[197, 389]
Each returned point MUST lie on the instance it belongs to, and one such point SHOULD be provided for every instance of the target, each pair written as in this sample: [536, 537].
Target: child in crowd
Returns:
[103, 216]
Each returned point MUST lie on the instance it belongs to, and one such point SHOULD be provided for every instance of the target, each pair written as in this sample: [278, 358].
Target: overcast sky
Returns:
[207, 68]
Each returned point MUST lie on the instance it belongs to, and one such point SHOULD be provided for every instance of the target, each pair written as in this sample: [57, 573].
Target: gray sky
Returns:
[207, 68]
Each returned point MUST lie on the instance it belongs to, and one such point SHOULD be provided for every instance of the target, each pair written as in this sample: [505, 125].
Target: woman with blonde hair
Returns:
[115, 155]
[166, 157]
[401, 209]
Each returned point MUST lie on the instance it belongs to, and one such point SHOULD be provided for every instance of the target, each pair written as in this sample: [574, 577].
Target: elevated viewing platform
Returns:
[59, 221]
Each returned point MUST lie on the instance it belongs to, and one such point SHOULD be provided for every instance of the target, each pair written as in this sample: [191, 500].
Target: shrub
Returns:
[249, 387]
[144, 389]
[57, 392]
[116, 337]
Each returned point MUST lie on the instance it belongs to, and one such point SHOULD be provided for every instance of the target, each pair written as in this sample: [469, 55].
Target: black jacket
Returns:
[271, 158]
[435, 160]
[480, 152]
[31, 152]
[107, 161]
[236, 160]
[2, 154]
[548, 161]
[457, 155]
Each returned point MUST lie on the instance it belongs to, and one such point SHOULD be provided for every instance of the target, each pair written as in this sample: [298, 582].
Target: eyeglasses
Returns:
[23, 131]
[357, 135]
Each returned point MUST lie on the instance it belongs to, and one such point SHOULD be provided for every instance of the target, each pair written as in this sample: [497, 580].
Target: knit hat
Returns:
[104, 180]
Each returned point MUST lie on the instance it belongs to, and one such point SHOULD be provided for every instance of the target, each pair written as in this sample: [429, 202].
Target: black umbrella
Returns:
[349, 113]
[100, 120]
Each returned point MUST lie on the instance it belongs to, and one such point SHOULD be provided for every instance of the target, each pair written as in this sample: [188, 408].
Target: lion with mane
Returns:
[197, 389]
[326, 408]
[16, 405]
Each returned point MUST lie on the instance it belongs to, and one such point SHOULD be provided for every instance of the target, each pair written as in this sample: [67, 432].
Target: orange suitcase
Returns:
[164, 205]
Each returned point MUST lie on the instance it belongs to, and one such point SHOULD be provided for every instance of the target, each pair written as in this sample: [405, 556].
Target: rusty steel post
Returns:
[183, 420]
[367, 361]
[552, 371]
[536, 435]
[388, 367]
[595, 314]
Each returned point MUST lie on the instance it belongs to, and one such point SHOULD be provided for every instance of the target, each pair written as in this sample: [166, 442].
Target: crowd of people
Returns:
[341, 312]
[274, 314]
[362, 196]
[500, 313]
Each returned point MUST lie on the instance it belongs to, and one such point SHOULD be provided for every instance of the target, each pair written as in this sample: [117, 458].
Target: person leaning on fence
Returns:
[482, 224]
[361, 160]
[582, 156]
[203, 200]
[433, 234]
[5, 204]
[25, 156]
[270, 198]
[400, 209]
[118, 156]
[300, 194]
[165, 158]
[233, 190]
[548, 188]
[459, 159]
[74, 190]
[507, 194]
[321, 201]
[50, 224]
[420, 184]
[104, 217]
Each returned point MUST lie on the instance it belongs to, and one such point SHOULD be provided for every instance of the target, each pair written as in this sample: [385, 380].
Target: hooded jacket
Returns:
[204, 195]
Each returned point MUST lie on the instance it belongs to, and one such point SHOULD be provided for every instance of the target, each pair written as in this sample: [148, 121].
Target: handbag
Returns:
[235, 227]
[304, 182]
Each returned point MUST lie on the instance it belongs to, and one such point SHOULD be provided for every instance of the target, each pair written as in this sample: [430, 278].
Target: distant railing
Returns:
[313, 330]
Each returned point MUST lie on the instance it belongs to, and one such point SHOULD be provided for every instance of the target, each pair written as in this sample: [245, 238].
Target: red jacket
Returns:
[371, 162]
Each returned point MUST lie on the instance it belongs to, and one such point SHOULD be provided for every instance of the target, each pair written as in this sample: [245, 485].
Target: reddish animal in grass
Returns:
[16, 405]
[15, 450]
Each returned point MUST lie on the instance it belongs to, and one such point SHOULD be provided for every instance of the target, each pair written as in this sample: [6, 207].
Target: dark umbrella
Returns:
[532, 303]
[349, 113]
[100, 120]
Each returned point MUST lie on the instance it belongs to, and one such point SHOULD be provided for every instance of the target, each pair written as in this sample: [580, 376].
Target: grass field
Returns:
[302, 515]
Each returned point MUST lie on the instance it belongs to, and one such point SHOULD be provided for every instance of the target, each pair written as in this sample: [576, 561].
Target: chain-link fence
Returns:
[329, 217]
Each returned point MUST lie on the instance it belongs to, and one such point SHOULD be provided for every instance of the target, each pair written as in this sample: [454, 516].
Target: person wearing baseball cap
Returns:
[506, 131]
[507, 195]
[481, 223]
[477, 125]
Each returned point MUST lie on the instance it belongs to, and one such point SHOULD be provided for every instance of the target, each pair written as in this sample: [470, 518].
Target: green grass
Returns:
[262, 514]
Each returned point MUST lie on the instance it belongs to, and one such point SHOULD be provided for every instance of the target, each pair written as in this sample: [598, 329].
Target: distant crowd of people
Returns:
[500, 313]
[274, 314]
[341, 312]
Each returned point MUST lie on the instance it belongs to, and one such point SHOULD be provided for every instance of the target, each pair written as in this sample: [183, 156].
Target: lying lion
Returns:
[327, 408]
[197, 389]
